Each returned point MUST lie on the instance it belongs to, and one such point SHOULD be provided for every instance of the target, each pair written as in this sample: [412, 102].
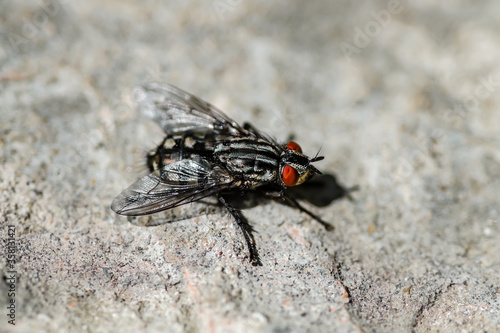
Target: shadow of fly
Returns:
[206, 153]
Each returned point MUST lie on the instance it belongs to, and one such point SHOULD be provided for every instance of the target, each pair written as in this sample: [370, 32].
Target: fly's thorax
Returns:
[254, 160]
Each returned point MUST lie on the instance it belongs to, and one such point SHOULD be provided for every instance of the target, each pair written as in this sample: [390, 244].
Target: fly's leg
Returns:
[251, 128]
[245, 228]
[297, 205]
[294, 203]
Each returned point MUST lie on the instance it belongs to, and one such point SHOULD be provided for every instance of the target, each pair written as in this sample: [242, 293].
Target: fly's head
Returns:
[295, 167]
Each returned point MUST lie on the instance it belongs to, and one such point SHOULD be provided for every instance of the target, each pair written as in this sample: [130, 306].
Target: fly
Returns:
[206, 153]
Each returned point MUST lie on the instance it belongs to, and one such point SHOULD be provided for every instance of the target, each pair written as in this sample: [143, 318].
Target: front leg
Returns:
[294, 203]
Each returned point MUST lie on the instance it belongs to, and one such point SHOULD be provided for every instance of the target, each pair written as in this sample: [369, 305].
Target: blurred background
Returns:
[401, 97]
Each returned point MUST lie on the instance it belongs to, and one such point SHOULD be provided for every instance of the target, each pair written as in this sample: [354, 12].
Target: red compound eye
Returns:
[290, 176]
[292, 145]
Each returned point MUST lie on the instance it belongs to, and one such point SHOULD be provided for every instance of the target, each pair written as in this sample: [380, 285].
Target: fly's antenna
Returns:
[316, 156]
[315, 159]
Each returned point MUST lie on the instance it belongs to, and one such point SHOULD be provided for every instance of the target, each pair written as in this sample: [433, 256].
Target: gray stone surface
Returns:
[404, 105]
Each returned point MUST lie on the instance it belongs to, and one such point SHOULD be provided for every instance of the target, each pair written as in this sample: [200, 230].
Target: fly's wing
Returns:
[178, 112]
[203, 207]
[176, 184]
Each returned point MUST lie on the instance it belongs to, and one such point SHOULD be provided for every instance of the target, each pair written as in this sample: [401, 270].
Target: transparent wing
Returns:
[176, 184]
[178, 112]
[188, 211]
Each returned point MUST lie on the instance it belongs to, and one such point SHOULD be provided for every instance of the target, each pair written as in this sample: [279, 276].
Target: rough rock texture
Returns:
[402, 98]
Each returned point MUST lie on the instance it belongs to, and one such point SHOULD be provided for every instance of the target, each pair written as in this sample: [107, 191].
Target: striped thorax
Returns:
[255, 160]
